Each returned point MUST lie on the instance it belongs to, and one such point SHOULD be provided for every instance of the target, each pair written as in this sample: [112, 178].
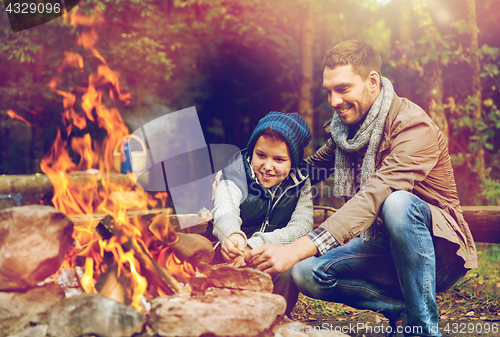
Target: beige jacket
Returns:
[413, 156]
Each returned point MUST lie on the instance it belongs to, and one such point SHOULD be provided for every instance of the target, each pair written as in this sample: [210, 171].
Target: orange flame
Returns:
[75, 150]
[13, 115]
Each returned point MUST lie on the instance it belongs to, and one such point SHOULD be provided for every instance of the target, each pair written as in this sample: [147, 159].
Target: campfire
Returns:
[108, 258]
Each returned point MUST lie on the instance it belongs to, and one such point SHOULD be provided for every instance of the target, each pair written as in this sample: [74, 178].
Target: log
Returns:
[484, 222]
[155, 273]
[41, 183]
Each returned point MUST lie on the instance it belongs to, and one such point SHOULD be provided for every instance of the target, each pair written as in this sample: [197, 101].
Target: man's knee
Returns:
[301, 273]
[400, 206]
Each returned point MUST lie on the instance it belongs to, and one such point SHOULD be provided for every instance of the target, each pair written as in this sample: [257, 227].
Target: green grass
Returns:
[480, 289]
[309, 308]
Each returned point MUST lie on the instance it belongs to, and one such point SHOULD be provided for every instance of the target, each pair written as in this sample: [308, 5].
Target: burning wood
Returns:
[154, 272]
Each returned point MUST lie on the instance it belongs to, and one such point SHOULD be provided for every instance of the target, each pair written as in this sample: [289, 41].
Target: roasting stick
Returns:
[227, 237]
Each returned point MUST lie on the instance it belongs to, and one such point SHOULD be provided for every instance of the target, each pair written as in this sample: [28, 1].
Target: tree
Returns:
[432, 79]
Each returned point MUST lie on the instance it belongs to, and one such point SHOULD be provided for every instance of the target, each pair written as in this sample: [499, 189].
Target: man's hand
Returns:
[233, 247]
[275, 258]
[216, 182]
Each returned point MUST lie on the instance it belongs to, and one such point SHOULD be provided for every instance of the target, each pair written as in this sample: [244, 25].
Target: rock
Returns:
[298, 329]
[35, 331]
[224, 276]
[33, 242]
[93, 314]
[221, 312]
[20, 310]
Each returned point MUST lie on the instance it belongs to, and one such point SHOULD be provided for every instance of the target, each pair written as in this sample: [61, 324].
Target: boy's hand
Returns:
[231, 251]
[275, 258]
[216, 182]
[238, 261]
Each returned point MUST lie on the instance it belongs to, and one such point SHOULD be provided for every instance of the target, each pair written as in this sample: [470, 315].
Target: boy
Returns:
[278, 207]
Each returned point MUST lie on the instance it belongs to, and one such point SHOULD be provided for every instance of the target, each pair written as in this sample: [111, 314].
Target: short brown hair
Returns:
[361, 56]
[269, 132]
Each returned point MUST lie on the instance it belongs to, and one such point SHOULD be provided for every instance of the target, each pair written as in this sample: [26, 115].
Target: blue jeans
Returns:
[396, 274]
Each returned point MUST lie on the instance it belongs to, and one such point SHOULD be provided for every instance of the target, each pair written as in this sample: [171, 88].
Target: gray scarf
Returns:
[369, 133]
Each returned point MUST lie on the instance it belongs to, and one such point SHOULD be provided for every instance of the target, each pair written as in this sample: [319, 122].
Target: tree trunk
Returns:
[401, 35]
[476, 80]
[305, 104]
[433, 73]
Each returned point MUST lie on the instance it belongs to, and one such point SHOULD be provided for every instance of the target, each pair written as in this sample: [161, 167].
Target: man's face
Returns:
[349, 94]
[270, 161]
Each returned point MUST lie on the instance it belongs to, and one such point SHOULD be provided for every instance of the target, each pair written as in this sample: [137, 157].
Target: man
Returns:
[393, 162]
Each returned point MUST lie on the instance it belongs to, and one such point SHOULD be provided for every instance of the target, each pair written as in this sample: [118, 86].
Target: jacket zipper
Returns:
[265, 223]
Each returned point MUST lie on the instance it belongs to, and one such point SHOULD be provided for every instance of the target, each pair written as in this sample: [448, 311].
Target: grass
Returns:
[309, 308]
[480, 289]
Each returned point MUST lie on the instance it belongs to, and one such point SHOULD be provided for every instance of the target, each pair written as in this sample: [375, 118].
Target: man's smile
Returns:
[343, 110]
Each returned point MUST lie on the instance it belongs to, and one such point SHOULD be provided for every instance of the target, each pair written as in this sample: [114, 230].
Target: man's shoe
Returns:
[396, 324]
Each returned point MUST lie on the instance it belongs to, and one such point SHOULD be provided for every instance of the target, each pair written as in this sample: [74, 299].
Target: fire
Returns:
[75, 150]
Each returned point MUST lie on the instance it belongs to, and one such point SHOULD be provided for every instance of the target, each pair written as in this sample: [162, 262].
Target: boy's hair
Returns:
[361, 56]
[289, 127]
[269, 132]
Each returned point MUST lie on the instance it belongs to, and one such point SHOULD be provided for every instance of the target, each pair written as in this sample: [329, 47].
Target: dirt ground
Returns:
[467, 318]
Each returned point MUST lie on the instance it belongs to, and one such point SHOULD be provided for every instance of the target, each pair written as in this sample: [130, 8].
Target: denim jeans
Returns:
[396, 274]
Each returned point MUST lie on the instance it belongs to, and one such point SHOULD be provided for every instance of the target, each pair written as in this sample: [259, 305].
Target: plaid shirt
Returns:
[323, 240]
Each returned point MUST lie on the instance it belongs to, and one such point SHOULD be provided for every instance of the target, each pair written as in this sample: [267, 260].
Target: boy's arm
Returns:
[226, 211]
[321, 164]
[299, 225]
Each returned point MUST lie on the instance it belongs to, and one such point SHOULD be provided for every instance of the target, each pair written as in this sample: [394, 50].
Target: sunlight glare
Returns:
[383, 2]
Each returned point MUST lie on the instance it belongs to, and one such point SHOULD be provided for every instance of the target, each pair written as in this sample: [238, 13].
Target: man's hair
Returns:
[361, 56]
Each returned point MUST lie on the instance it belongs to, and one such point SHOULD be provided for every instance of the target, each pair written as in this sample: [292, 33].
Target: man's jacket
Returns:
[412, 156]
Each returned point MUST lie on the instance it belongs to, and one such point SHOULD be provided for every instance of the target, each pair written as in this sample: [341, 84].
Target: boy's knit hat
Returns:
[291, 126]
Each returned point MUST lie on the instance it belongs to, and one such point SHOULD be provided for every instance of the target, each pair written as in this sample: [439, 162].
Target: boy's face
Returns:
[270, 161]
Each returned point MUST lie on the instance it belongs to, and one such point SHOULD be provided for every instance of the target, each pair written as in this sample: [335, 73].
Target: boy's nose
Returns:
[268, 165]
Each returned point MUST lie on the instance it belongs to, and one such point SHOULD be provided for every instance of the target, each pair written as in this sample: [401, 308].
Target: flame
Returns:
[181, 270]
[76, 149]
[139, 282]
[87, 281]
[13, 115]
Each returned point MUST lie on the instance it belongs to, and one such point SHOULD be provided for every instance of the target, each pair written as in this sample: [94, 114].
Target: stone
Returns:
[34, 331]
[225, 276]
[94, 314]
[33, 242]
[221, 312]
[20, 310]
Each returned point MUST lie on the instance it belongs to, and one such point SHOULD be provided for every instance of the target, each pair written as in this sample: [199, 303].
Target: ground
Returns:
[468, 310]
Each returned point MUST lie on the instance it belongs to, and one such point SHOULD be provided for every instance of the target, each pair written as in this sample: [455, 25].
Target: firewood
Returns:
[155, 273]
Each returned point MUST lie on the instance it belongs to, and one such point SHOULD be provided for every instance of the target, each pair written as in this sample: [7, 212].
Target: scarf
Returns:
[369, 133]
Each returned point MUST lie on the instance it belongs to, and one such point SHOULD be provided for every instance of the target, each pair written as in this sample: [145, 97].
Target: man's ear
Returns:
[374, 79]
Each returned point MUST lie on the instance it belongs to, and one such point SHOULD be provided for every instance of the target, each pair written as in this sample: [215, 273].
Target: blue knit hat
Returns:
[291, 126]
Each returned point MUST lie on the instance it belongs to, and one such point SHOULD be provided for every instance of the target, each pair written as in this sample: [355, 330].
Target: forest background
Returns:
[237, 60]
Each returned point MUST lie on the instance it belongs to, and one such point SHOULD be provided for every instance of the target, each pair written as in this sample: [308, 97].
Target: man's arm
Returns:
[414, 152]
[322, 163]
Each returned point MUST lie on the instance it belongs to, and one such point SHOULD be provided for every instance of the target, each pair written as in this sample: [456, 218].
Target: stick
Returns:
[227, 237]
